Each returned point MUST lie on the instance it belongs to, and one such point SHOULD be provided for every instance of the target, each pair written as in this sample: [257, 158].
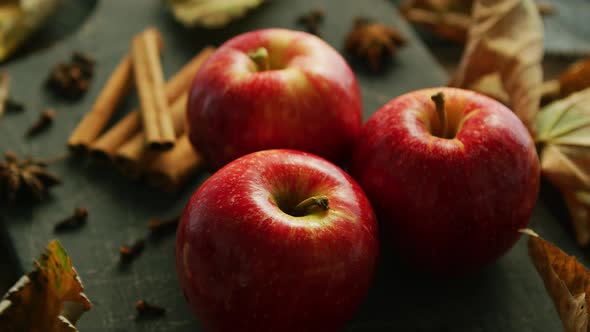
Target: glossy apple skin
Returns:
[312, 103]
[245, 265]
[448, 206]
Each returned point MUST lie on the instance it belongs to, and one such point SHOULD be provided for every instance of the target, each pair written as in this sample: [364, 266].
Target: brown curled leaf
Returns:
[505, 39]
[566, 280]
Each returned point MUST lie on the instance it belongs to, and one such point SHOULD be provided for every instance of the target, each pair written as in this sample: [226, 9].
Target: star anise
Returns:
[24, 177]
[373, 42]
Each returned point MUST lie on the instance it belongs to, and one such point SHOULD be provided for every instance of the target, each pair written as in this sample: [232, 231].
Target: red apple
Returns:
[277, 240]
[274, 88]
[452, 175]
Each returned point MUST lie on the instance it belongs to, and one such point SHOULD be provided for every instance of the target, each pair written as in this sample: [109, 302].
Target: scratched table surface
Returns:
[506, 296]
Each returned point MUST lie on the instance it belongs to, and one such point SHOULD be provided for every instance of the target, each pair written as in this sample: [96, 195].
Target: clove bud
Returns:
[160, 227]
[145, 309]
[45, 120]
[72, 222]
[129, 253]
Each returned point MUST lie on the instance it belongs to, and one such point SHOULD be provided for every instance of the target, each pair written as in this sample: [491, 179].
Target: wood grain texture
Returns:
[507, 296]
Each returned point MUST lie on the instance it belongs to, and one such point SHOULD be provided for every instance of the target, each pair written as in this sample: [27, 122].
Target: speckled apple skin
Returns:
[245, 265]
[311, 104]
[448, 205]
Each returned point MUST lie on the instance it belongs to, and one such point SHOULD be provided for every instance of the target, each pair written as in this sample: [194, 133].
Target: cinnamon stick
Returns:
[93, 123]
[132, 155]
[172, 168]
[149, 77]
[107, 145]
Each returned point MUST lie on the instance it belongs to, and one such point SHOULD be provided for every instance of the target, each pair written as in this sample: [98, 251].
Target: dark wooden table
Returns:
[506, 296]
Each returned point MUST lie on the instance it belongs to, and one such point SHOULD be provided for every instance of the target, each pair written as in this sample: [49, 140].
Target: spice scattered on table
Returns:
[373, 42]
[312, 20]
[159, 227]
[148, 310]
[24, 177]
[12, 105]
[43, 123]
[130, 252]
[125, 142]
[117, 86]
[149, 78]
[72, 222]
[72, 80]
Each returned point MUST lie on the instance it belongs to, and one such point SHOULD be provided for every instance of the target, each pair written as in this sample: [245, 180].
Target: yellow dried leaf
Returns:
[566, 280]
[210, 13]
[19, 19]
[563, 134]
[505, 38]
[49, 299]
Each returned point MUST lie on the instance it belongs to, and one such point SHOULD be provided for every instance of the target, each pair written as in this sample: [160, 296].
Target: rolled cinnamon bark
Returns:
[107, 145]
[173, 168]
[149, 78]
[134, 154]
[96, 120]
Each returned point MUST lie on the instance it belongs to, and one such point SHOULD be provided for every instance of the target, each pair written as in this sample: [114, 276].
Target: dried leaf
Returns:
[563, 133]
[20, 19]
[210, 13]
[566, 280]
[505, 39]
[49, 299]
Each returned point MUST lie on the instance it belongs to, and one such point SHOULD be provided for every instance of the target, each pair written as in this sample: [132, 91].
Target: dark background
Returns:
[506, 296]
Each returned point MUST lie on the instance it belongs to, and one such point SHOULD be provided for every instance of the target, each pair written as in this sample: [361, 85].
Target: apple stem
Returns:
[320, 202]
[439, 102]
[260, 57]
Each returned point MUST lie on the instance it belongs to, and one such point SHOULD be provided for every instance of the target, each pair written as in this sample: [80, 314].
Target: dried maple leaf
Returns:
[48, 299]
[563, 133]
[24, 177]
[210, 13]
[505, 39]
[566, 280]
[373, 42]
